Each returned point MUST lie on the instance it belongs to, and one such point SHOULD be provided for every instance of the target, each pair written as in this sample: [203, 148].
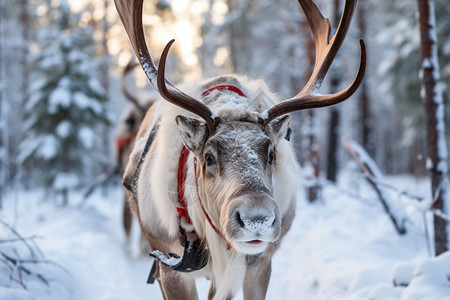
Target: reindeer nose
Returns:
[257, 223]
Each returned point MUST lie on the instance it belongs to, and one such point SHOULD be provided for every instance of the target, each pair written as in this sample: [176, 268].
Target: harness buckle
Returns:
[195, 255]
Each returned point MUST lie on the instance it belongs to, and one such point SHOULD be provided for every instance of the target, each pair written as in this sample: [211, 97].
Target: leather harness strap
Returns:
[228, 246]
[181, 176]
[224, 87]
[122, 143]
[182, 211]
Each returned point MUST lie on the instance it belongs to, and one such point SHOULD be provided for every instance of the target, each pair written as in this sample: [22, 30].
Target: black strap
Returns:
[137, 172]
[195, 255]
[153, 273]
[132, 187]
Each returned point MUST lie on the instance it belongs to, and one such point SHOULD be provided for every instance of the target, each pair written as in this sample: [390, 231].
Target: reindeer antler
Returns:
[130, 12]
[123, 84]
[326, 51]
[181, 99]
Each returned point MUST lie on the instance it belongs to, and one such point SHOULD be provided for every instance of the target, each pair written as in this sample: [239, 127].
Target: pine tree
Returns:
[62, 149]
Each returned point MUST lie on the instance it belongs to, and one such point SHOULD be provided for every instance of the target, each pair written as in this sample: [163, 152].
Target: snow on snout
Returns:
[258, 225]
[246, 160]
[245, 154]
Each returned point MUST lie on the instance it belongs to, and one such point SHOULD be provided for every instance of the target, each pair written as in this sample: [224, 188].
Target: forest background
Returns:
[51, 50]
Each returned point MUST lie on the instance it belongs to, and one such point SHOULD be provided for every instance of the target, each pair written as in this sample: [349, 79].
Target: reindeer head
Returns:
[235, 167]
[236, 151]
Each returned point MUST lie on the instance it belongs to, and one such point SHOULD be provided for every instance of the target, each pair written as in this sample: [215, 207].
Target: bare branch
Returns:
[21, 239]
[371, 172]
[17, 263]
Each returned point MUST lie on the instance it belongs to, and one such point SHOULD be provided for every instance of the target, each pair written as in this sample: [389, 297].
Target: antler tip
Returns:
[362, 43]
[363, 51]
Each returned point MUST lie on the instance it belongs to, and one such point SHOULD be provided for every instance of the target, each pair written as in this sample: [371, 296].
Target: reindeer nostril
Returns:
[269, 221]
[239, 219]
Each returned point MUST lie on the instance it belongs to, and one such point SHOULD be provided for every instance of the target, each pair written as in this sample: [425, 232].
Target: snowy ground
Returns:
[340, 248]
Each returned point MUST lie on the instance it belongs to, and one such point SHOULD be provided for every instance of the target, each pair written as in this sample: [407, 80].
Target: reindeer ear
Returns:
[192, 132]
[279, 128]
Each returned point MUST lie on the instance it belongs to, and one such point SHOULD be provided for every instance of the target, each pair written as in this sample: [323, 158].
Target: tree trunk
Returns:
[2, 119]
[314, 190]
[238, 29]
[333, 138]
[313, 158]
[365, 111]
[434, 114]
[25, 20]
[105, 81]
[333, 130]
[25, 83]
[14, 86]
[208, 47]
[105, 63]
[233, 39]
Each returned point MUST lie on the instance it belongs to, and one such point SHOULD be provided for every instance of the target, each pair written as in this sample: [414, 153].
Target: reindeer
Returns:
[213, 177]
[125, 136]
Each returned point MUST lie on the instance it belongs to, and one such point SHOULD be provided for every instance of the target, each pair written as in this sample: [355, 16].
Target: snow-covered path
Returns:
[89, 244]
[343, 248]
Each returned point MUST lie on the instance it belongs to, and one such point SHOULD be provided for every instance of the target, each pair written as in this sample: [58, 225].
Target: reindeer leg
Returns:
[174, 286]
[212, 290]
[256, 279]
[126, 218]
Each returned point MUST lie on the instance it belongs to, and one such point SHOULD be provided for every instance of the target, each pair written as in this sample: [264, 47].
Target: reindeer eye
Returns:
[271, 158]
[210, 159]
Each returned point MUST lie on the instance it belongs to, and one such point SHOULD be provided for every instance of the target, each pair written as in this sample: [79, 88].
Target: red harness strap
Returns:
[181, 176]
[224, 87]
[122, 143]
[227, 246]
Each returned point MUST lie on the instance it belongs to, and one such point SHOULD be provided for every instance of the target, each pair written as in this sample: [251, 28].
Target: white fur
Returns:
[163, 166]
[285, 176]
[232, 278]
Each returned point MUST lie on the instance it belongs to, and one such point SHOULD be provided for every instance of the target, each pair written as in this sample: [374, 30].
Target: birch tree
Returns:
[432, 98]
